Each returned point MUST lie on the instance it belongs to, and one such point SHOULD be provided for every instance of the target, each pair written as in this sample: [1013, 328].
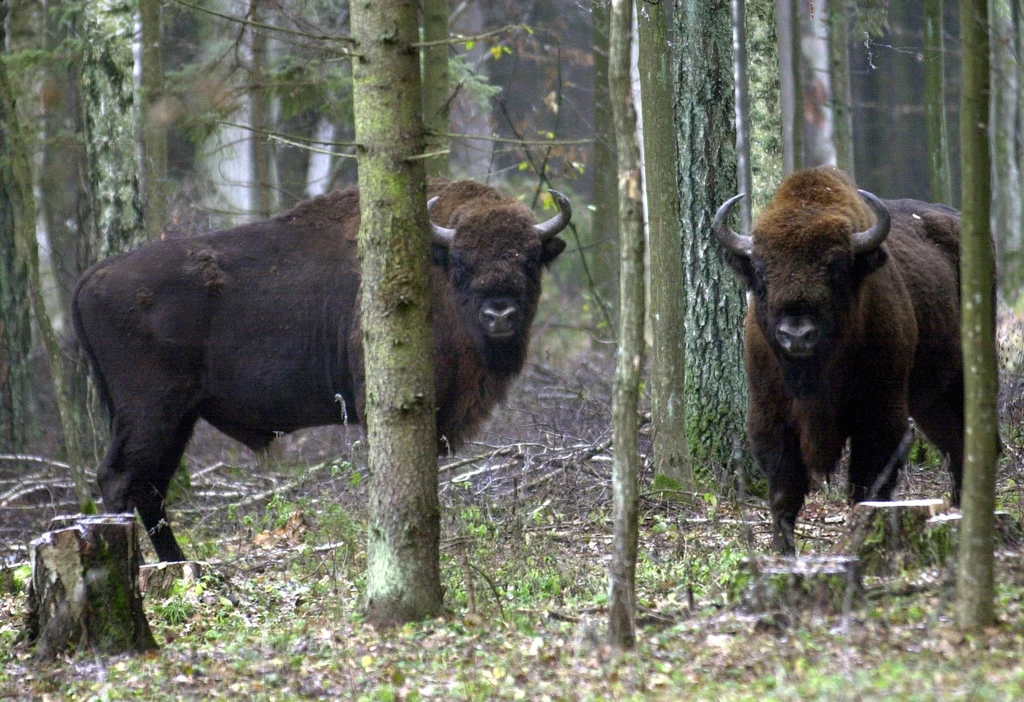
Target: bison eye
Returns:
[461, 271]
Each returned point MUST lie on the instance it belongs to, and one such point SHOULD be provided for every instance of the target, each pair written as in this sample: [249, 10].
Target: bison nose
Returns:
[798, 335]
[498, 317]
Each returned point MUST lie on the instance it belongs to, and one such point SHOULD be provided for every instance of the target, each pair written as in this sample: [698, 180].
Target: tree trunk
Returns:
[939, 177]
[404, 580]
[154, 120]
[668, 289]
[1006, 205]
[84, 594]
[629, 359]
[744, 177]
[975, 575]
[436, 91]
[842, 100]
[766, 148]
[716, 394]
[262, 152]
[816, 106]
[15, 322]
[791, 88]
[604, 244]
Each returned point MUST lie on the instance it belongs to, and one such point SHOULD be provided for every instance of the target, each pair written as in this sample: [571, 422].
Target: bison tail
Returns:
[83, 341]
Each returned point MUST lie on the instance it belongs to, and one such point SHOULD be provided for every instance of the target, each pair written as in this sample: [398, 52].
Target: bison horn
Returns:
[442, 236]
[547, 230]
[739, 244]
[870, 239]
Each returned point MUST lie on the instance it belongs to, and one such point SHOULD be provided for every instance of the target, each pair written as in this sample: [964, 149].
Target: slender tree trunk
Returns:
[1006, 205]
[630, 356]
[154, 120]
[975, 575]
[266, 200]
[842, 99]
[668, 288]
[16, 386]
[716, 395]
[744, 176]
[788, 17]
[603, 246]
[939, 176]
[816, 78]
[404, 581]
[766, 147]
[436, 91]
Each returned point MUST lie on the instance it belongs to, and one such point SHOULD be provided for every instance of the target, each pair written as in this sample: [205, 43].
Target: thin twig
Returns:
[462, 40]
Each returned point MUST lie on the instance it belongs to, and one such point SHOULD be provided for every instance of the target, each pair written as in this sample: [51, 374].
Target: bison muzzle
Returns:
[852, 326]
[256, 329]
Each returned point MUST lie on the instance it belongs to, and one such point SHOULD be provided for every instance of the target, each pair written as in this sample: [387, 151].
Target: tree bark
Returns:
[975, 574]
[716, 394]
[154, 120]
[262, 152]
[842, 100]
[16, 387]
[404, 581]
[766, 148]
[436, 90]
[744, 177]
[604, 243]
[1006, 204]
[791, 88]
[936, 132]
[815, 107]
[668, 288]
[630, 355]
[84, 594]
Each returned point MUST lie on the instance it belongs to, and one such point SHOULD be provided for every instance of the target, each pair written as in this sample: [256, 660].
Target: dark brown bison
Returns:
[256, 330]
[853, 324]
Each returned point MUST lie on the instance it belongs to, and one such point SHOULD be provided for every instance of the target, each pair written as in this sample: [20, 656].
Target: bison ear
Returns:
[550, 250]
[439, 255]
[743, 266]
[868, 262]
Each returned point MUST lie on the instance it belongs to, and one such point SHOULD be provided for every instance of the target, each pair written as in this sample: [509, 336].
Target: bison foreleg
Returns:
[787, 487]
[876, 457]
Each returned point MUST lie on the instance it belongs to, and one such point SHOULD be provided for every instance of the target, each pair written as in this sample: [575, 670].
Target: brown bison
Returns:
[256, 329]
[853, 324]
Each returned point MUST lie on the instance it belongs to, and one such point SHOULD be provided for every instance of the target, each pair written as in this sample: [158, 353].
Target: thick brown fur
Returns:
[256, 329]
[890, 320]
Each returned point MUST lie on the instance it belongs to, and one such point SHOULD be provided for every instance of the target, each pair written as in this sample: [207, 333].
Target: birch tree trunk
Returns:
[716, 394]
[604, 243]
[630, 355]
[975, 574]
[815, 108]
[668, 288]
[154, 120]
[767, 165]
[842, 100]
[936, 132]
[404, 581]
[1006, 203]
[436, 90]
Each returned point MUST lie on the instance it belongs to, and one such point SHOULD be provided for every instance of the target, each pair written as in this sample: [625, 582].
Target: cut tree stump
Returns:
[814, 584]
[157, 579]
[84, 592]
[888, 537]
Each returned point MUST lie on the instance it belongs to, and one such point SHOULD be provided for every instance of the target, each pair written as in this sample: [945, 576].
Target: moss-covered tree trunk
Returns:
[154, 120]
[766, 151]
[716, 394]
[404, 525]
[936, 133]
[975, 574]
[668, 289]
[16, 386]
[630, 356]
[436, 91]
[842, 99]
[603, 246]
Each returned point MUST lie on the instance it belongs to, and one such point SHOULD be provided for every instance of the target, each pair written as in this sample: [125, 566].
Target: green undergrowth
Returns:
[278, 617]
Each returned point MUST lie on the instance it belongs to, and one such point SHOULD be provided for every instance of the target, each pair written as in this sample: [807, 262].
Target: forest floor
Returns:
[525, 553]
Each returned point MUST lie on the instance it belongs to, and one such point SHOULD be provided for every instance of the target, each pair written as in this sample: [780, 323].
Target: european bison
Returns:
[256, 330]
[853, 323]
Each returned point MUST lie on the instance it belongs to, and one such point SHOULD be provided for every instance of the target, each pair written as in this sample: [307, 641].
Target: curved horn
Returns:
[547, 230]
[442, 236]
[739, 244]
[872, 238]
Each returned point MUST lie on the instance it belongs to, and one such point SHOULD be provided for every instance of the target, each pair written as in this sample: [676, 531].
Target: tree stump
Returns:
[84, 591]
[157, 579]
[814, 584]
[888, 537]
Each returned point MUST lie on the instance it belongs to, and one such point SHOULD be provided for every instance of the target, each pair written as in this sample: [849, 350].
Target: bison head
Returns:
[805, 261]
[494, 253]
